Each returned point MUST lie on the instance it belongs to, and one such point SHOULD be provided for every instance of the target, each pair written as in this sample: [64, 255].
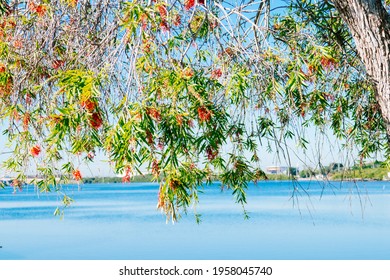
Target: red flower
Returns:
[160, 144]
[189, 4]
[96, 120]
[149, 137]
[179, 119]
[163, 11]
[18, 44]
[188, 72]
[35, 150]
[57, 64]
[2, 68]
[26, 120]
[190, 123]
[127, 177]
[311, 70]
[204, 114]
[39, 9]
[28, 99]
[77, 175]
[211, 154]
[155, 168]
[154, 113]
[217, 73]
[177, 20]
[88, 104]
[164, 26]
[201, 2]
[144, 21]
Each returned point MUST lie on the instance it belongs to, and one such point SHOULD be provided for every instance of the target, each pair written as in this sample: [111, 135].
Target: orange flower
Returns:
[154, 113]
[18, 44]
[88, 105]
[34, 151]
[40, 10]
[77, 175]
[204, 114]
[144, 21]
[5, 90]
[26, 120]
[161, 199]
[2, 68]
[179, 119]
[73, 3]
[163, 11]
[188, 72]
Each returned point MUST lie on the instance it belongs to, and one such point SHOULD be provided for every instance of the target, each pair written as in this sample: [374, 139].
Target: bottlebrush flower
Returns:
[96, 120]
[26, 120]
[161, 199]
[77, 175]
[204, 114]
[73, 3]
[163, 11]
[155, 168]
[188, 72]
[211, 154]
[57, 64]
[144, 21]
[28, 99]
[40, 10]
[154, 114]
[34, 151]
[189, 4]
[177, 20]
[88, 105]
[127, 177]
[18, 44]
[149, 137]
[217, 73]
[179, 119]
[164, 26]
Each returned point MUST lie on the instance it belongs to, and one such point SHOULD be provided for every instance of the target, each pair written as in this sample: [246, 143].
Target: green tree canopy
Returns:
[186, 88]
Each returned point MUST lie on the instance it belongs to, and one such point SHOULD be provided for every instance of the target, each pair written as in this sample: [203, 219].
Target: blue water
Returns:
[309, 220]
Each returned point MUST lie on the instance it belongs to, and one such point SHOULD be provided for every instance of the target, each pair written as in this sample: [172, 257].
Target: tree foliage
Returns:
[188, 89]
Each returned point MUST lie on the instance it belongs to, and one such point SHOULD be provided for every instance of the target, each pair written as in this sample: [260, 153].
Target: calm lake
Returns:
[309, 220]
